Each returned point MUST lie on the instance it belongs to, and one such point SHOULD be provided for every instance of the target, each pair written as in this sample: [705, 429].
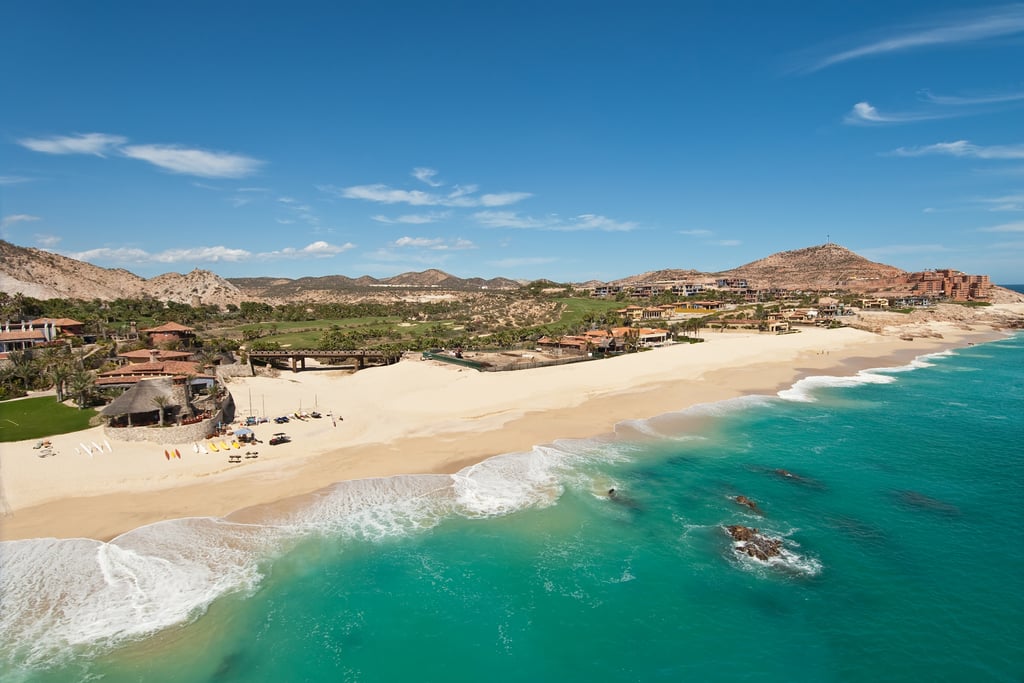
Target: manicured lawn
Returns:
[34, 418]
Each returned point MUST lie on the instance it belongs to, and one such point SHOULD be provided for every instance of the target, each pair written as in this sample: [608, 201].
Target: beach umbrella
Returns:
[244, 431]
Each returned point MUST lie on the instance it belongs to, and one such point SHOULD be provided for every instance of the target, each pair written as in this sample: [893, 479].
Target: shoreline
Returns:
[424, 418]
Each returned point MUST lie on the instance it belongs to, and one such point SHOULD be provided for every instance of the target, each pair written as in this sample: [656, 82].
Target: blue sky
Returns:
[566, 140]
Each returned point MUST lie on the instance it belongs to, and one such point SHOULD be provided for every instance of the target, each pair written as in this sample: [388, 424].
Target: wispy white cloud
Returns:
[97, 144]
[414, 219]
[47, 241]
[434, 243]
[175, 158]
[17, 218]
[212, 254]
[319, 249]
[695, 233]
[14, 179]
[459, 197]
[298, 211]
[950, 30]
[191, 161]
[963, 148]
[1008, 202]
[976, 100]
[1005, 227]
[863, 113]
[725, 243]
[426, 175]
[586, 221]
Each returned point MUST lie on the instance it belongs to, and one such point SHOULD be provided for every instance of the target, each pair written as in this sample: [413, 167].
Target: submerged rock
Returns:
[751, 542]
[743, 500]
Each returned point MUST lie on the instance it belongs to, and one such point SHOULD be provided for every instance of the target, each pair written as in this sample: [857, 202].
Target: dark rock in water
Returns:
[919, 500]
[810, 483]
[743, 500]
[751, 542]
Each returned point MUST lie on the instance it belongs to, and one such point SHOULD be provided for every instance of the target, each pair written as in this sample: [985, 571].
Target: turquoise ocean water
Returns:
[903, 531]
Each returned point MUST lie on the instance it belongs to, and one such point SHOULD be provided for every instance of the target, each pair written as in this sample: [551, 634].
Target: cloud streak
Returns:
[586, 221]
[964, 149]
[414, 219]
[1005, 227]
[952, 100]
[434, 243]
[174, 158]
[96, 144]
[426, 175]
[212, 254]
[197, 162]
[863, 113]
[965, 28]
[459, 197]
[17, 218]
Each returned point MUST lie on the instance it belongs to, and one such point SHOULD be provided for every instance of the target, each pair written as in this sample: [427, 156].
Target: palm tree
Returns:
[23, 367]
[81, 383]
[161, 403]
[59, 374]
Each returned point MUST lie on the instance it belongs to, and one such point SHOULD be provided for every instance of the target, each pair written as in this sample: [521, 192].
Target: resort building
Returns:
[176, 370]
[153, 355]
[38, 332]
[171, 333]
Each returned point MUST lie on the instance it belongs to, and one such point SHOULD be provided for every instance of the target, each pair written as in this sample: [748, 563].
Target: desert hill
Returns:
[824, 266]
[45, 275]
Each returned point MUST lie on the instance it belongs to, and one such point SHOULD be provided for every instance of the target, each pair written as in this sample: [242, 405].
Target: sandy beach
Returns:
[413, 417]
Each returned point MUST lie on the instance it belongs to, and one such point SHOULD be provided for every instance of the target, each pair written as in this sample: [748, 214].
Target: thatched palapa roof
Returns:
[140, 398]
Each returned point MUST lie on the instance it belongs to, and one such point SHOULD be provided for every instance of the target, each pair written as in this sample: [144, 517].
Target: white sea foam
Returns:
[59, 595]
[786, 560]
[510, 482]
[372, 509]
[803, 390]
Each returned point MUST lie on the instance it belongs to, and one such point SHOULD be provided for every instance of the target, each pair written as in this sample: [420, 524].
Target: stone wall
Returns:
[226, 372]
[174, 433]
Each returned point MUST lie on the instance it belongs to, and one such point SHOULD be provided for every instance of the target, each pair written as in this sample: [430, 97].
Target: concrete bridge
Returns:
[297, 357]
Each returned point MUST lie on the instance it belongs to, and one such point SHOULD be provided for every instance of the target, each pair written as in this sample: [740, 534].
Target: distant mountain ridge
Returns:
[44, 275]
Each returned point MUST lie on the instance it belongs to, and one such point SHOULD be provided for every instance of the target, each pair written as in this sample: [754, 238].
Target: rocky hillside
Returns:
[45, 275]
[822, 267]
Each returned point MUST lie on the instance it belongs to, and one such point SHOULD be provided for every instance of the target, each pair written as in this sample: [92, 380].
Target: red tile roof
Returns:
[163, 354]
[170, 327]
[22, 335]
